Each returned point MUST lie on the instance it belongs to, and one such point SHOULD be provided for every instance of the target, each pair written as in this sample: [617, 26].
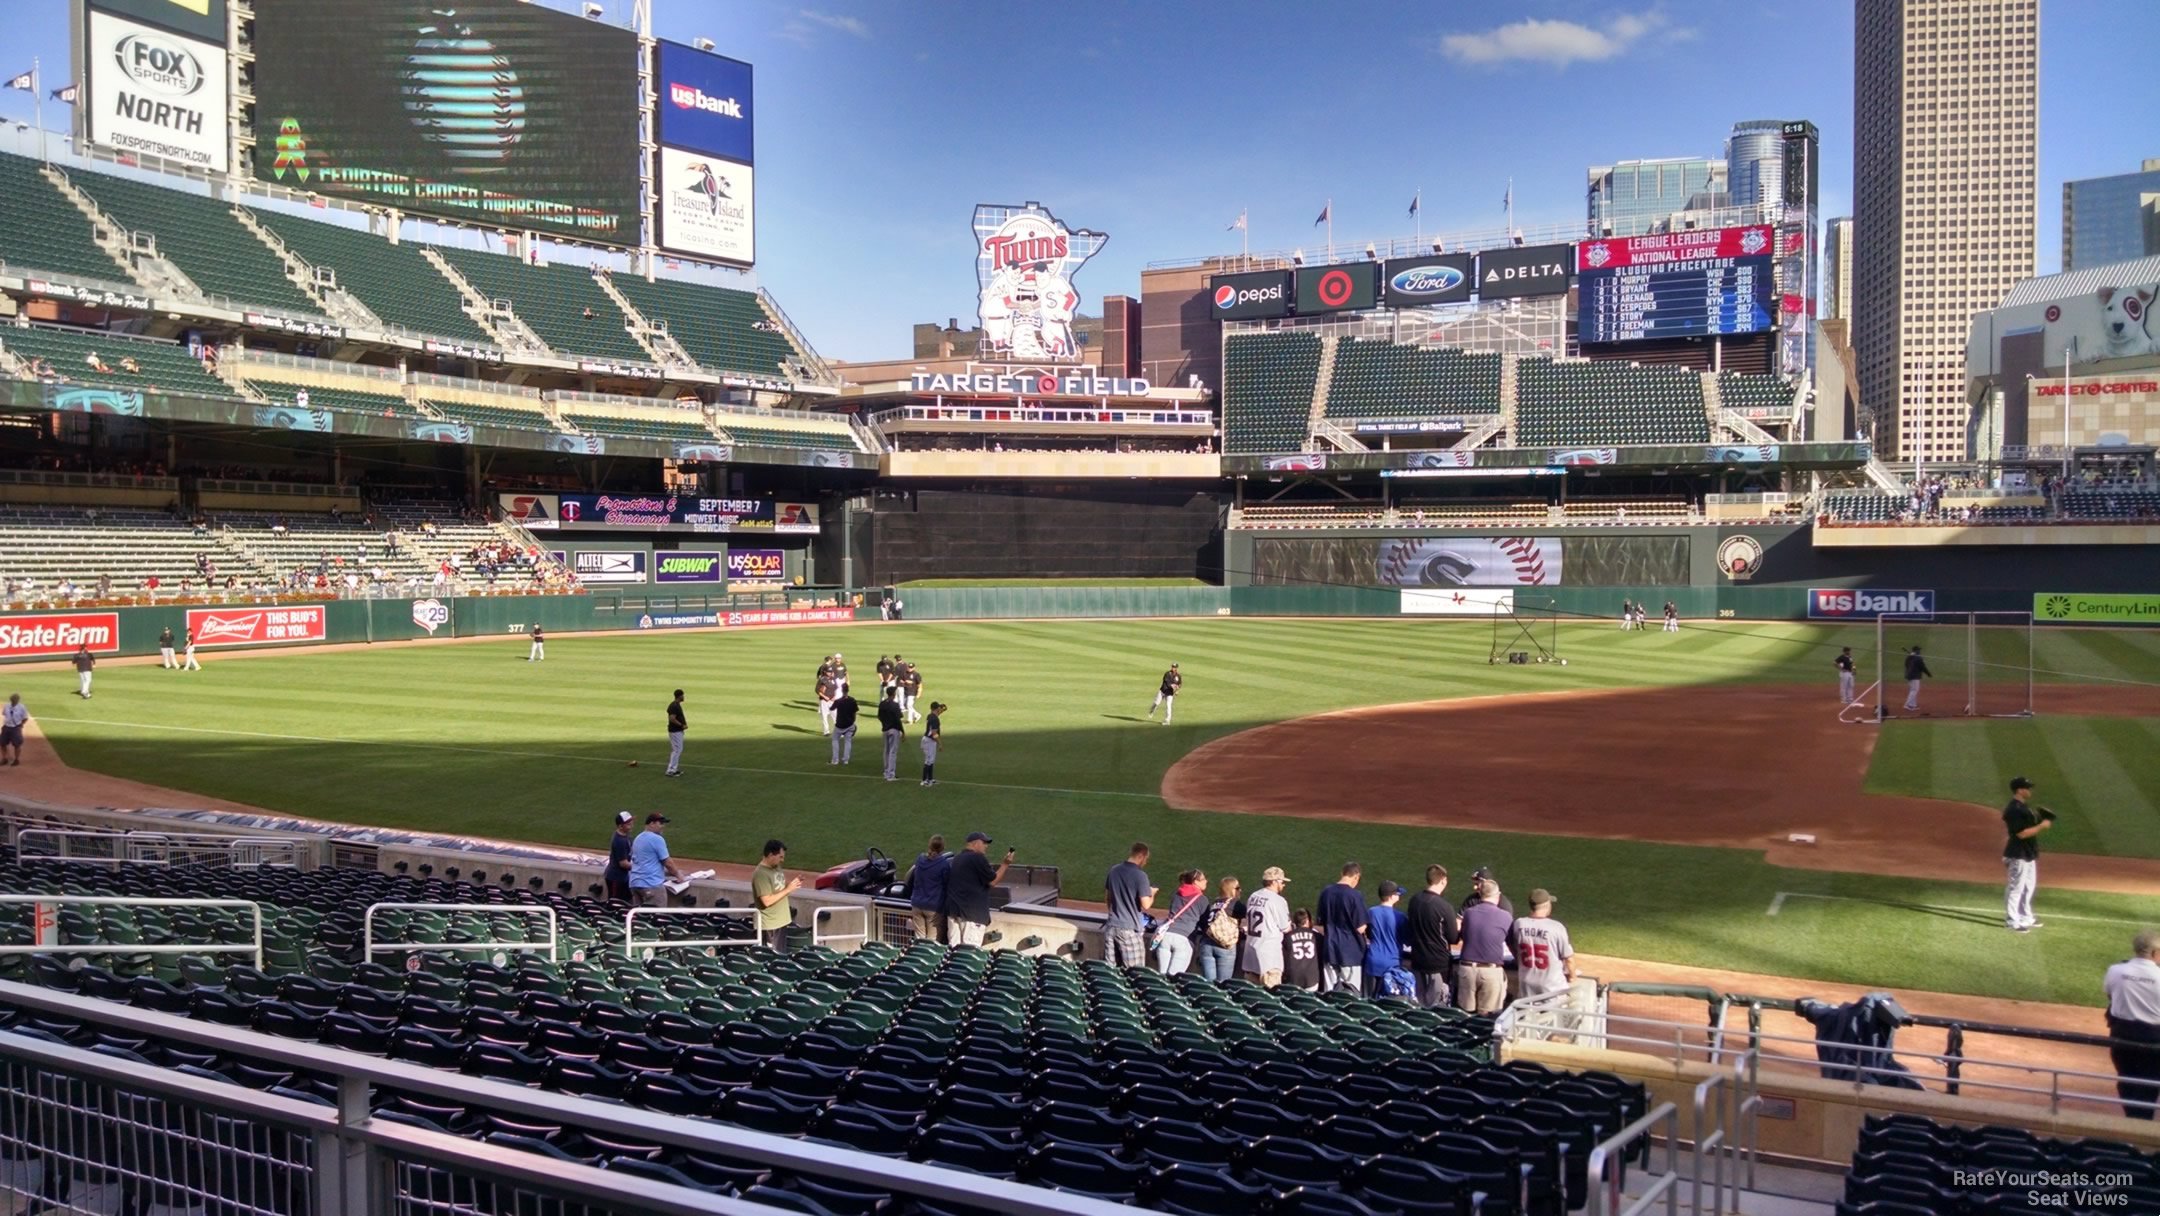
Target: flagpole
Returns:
[1244, 216]
[37, 110]
[1511, 210]
[1331, 230]
[1418, 201]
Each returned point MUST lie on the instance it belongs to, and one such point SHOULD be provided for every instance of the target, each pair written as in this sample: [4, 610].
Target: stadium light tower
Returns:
[594, 12]
[703, 44]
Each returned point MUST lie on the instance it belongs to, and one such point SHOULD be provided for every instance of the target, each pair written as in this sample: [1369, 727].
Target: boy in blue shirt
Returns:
[1385, 925]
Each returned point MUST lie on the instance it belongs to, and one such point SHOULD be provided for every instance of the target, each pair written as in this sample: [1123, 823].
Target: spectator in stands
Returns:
[95, 363]
[1340, 915]
[650, 865]
[1222, 927]
[11, 729]
[926, 890]
[1301, 953]
[1385, 926]
[616, 881]
[128, 364]
[1480, 980]
[104, 586]
[1267, 921]
[300, 398]
[1174, 940]
[1432, 933]
[770, 887]
[1131, 896]
[2133, 1019]
[967, 891]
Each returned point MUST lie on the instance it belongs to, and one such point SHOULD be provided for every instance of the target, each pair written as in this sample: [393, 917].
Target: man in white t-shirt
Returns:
[1544, 958]
[12, 719]
[1267, 919]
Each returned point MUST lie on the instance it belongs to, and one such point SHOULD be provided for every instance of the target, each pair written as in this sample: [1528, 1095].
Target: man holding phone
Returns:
[967, 891]
[770, 887]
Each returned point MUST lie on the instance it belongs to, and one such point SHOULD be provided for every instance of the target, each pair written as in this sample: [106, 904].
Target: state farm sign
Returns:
[58, 633]
[256, 626]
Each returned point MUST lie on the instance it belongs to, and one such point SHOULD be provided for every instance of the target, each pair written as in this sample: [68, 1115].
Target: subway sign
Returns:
[685, 566]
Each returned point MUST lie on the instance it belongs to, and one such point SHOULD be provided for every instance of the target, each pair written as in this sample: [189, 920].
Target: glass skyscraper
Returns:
[2111, 219]
[1635, 197]
[1755, 156]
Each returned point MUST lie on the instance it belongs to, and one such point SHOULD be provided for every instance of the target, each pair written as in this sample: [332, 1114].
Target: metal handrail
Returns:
[370, 947]
[818, 917]
[156, 848]
[39, 924]
[1605, 1185]
[631, 945]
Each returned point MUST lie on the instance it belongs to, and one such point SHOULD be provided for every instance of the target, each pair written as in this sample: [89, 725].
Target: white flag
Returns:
[23, 82]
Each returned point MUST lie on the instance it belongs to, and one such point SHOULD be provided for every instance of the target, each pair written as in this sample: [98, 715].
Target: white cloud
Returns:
[1558, 43]
[805, 26]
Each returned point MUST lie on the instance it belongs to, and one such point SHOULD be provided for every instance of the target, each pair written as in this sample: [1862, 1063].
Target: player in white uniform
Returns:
[1166, 695]
[1544, 958]
[187, 661]
[539, 646]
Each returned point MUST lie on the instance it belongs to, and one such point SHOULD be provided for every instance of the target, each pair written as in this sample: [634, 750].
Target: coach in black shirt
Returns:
[844, 711]
[1433, 932]
[967, 891]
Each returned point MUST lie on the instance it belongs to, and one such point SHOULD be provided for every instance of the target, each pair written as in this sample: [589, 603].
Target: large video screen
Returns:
[490, 112]
[1676, 285]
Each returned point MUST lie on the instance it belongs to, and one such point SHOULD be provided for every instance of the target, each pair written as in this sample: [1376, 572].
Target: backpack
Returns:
[1222, 928]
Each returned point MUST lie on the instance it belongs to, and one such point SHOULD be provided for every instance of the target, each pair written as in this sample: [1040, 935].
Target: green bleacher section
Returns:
[42, 230]
[491, 415]
[552, 299]
[166, 367]
[782, 437]
[1268, 381]
[1607, 403]
[322, 398]
[201, 237]
[394, 281]
[1743, 392]
[1375, 378]
[690, 430]
[714, 324]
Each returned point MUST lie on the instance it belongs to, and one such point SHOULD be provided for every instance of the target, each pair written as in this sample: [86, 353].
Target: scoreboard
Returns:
[1676, 285]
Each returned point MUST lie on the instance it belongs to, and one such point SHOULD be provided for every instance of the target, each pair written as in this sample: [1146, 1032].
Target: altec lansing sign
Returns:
[61, 633]
[1029, 384]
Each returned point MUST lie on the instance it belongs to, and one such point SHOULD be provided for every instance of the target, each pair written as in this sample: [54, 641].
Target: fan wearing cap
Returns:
[967, 891]
[1542, 950]
[617, 879]
[2021, 855]
[650, 866]
[1166, 695]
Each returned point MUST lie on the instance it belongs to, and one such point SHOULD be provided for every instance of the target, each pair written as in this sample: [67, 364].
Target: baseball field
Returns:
[1654, 783]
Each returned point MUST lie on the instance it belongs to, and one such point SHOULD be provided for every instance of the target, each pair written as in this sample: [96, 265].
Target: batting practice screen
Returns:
[487, 112]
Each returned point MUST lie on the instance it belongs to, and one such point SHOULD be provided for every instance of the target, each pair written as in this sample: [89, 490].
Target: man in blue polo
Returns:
[1341, 919]
[650, 866]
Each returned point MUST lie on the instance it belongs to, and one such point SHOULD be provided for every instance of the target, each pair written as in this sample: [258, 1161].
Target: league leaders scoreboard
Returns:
[1677, 285]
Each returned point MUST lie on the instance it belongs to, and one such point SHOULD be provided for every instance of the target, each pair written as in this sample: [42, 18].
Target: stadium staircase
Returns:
[394, 282]
[1887, 481]
[1324, 431]
[1330, 351]
[652, 335]
[318, 283]
[496, 317]
[202, 237]
[136, 254]
[806, 355]
[42, 232]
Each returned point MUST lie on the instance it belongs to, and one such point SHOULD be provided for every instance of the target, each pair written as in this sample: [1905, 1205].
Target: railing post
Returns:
[345, 1172]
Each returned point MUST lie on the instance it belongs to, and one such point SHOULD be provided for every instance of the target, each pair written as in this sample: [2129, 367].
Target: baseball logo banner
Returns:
[1025, 262]
[1470, 561]
[257, 626]
[432, 615]
[46, 634]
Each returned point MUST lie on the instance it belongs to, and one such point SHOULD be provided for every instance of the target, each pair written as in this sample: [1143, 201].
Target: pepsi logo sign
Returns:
[1228, 297]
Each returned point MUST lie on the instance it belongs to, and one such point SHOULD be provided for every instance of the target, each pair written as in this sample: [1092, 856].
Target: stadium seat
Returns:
[1584, 403]
[1377, 379]
[45, 230]
[395, 282]
[200, 236]
[1267, 390]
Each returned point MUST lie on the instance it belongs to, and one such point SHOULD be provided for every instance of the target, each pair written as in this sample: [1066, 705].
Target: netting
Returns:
[1976, 664]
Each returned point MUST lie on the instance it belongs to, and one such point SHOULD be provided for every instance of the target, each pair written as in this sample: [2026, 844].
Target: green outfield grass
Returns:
[1045, 750]
[2099, 773]
[982, 583]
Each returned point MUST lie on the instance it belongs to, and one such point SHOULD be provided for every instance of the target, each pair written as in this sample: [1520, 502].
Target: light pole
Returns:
[2067, 348]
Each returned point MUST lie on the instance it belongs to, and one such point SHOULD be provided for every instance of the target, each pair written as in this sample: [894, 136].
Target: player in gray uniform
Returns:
[1844, 676]
[1166, 695]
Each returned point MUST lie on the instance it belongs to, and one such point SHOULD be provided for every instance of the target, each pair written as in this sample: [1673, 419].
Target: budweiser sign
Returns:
[59, 633]
[257, 626]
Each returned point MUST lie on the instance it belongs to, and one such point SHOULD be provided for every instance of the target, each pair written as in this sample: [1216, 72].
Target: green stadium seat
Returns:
[1601, 403]
[44, 230]
[716, 325]
[553, 300]
[1377, 379]
[396, 282]
[201, 236]
[1267, 390]
[167, 367]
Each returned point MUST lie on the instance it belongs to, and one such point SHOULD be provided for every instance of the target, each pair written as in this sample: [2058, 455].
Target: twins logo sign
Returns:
[1025, 260]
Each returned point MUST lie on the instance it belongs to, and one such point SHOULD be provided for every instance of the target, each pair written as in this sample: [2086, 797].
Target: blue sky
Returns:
[881, 125]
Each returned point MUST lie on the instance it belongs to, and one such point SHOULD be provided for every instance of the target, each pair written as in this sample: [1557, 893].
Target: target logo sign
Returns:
[1335, 288]
[1347, 287]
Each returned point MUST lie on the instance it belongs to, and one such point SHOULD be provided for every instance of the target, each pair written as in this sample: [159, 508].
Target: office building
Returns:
[2111, 219]
[1945, 116]
[1635, 197]
[1837, 268]
[1755, 162]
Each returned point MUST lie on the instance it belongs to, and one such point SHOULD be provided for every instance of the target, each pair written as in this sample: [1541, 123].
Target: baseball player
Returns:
[1627, 615]
[187, 661]
[1672, 617]
[910, 688]
[839, 670]
[165, 650]
[11, 729]
[1844, 676]
[2023, 822]
[1166, 696]
[1916, 670]
[539, 646]
[826, 691]
[884, 675]
[85, 663]
[844, 711]
[676, 724]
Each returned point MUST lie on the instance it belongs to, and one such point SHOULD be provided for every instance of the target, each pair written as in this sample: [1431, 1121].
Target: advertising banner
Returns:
[1349, 287]
[203, 19]
[608, 565]
[755, 565]
[746, 618]
[688, 566]
[548, 512]
[1470, 561]
[1677, 284]
[705, 102]
[1424, 602]
[154, 93]
[706, 207]
[1534, 270]
[1241, 297]
[257, 626]
[1441, 279]
[1411, 426]
[1450, 562]
[2085, 607]
[491, 112]
[58, 634]
[1025, 262]
[1862, 603]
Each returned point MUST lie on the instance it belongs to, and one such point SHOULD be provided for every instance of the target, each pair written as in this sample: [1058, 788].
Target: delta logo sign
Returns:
[24, 637]
[257, 626]
[1025, 262]
[1859, 603]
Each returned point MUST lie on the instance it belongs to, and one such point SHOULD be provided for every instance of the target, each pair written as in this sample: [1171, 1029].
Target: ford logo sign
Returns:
[1425, 281]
